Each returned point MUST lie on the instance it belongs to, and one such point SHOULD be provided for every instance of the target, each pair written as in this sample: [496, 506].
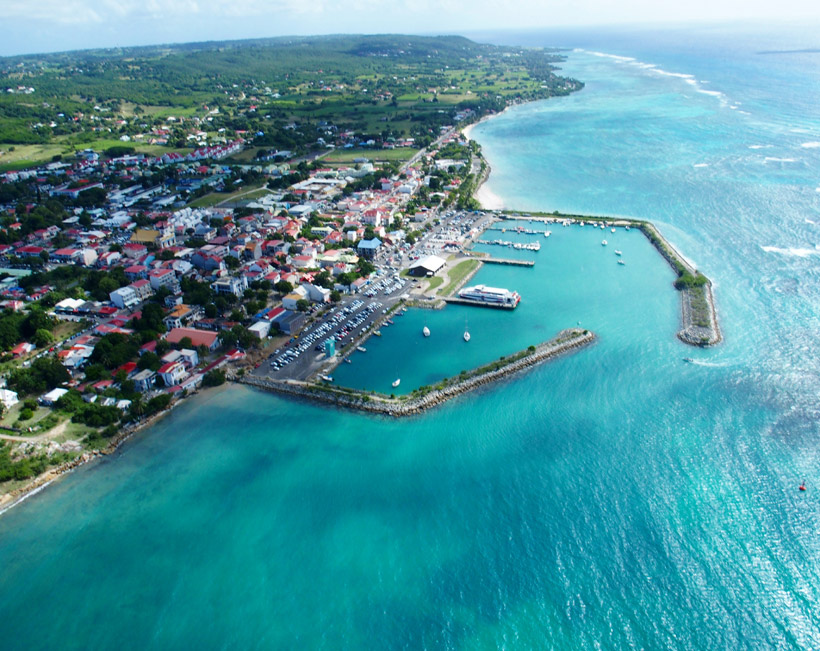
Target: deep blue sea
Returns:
[615, 498]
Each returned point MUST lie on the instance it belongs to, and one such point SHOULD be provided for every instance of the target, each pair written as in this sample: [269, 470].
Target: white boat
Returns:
[604, 243]
[378, 333]
[621, 262]
[426, 331]
[547, 233]
[617, 252]
[361, 349]
[466, 336]
[612, 229]
[396, 382]
[327, 378]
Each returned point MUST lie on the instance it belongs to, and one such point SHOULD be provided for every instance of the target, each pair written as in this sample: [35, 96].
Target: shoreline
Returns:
[19, 495]
[693, 331]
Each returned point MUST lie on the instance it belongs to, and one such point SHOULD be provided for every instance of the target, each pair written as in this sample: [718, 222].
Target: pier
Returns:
[517, 263]
[455, 300]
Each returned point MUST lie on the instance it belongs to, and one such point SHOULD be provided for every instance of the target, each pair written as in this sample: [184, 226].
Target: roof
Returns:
[431, 263]
[375, 243]
[198, 337]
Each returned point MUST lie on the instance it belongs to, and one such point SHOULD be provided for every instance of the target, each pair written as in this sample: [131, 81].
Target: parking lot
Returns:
[346, 323]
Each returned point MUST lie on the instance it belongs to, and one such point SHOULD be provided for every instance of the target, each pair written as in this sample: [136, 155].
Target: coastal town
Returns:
[121, 296]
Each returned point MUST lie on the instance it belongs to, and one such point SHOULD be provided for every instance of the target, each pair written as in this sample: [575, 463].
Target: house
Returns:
[179, 316]
[8, 398]
[172, 373]
[188, 357]
[134, 250]
[198, 337]
[52, 396]
[136, 272]
[230, 285]
[21, 349]
[144, 380]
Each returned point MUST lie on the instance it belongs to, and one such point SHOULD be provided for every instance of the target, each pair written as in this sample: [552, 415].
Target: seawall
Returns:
[420, 401]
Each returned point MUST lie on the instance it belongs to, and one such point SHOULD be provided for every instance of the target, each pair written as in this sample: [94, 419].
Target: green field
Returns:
[378, 155]
[457, 274]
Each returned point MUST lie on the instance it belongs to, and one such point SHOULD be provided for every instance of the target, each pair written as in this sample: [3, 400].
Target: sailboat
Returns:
[466, 332]
[396, 382]
[426, 331]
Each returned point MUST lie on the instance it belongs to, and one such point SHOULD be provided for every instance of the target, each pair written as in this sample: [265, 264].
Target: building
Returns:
[124, 297]
[172, 373]
[52, 396]
[427, 266]
[198, 337]
[369, 248]
[235, 285]
[180, 316]
[260, 329]
[144, 380]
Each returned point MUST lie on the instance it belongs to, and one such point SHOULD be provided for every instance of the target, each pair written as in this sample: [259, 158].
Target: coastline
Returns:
[695, 299]
[19, 495]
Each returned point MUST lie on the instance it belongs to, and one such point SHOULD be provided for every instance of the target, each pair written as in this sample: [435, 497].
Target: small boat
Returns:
[327, 378]
[621, 261]
[547, 233]
[347, 361]
[688, 359]
[426, 331]
[361, 349]
[390, 321]
[617, 252]
[627, 228]
[378, 333]
[603, 226]
[604, 242]
[466, 336]
[396, 382]
[612, 229]
[802, 486]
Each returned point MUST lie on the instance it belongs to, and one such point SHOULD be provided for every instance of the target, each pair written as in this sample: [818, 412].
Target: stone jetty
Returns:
[426, 398]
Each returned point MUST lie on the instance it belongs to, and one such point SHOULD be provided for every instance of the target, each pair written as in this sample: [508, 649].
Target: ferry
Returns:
[484, 294]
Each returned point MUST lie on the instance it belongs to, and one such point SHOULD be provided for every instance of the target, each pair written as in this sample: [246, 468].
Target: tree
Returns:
[302, 305]
[214, 378]
[335, 296]
[149, 360]
[283, 287]
[43, 338]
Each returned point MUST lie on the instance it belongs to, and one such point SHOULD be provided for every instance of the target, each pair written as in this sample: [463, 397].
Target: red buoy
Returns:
[802, 486]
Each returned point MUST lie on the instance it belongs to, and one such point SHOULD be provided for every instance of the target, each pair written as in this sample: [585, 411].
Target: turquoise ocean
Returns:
[618, 497]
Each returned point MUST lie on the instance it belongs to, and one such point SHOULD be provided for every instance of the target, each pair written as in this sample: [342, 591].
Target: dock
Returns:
[517, 263]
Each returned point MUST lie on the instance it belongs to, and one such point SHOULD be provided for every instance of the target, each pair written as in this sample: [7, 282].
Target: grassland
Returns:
[457, 274]
[342, 156]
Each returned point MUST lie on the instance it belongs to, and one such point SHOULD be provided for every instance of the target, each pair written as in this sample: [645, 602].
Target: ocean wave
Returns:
[701, 165]
[792, 251]
[760, 146]
[775, 159]
[811, 145]
[654, 69]
[809, 221]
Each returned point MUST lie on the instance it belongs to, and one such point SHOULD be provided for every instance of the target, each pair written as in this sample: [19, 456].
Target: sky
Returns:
[31, 26]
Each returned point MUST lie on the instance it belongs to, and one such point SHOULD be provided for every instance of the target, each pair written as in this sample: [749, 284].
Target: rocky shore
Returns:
[420, 401]
[12, 498]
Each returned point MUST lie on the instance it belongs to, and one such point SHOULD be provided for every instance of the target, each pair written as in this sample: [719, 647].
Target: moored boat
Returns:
[426, 331]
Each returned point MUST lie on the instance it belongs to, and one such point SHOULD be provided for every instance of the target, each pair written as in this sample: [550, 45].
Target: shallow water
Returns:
[614, 498]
